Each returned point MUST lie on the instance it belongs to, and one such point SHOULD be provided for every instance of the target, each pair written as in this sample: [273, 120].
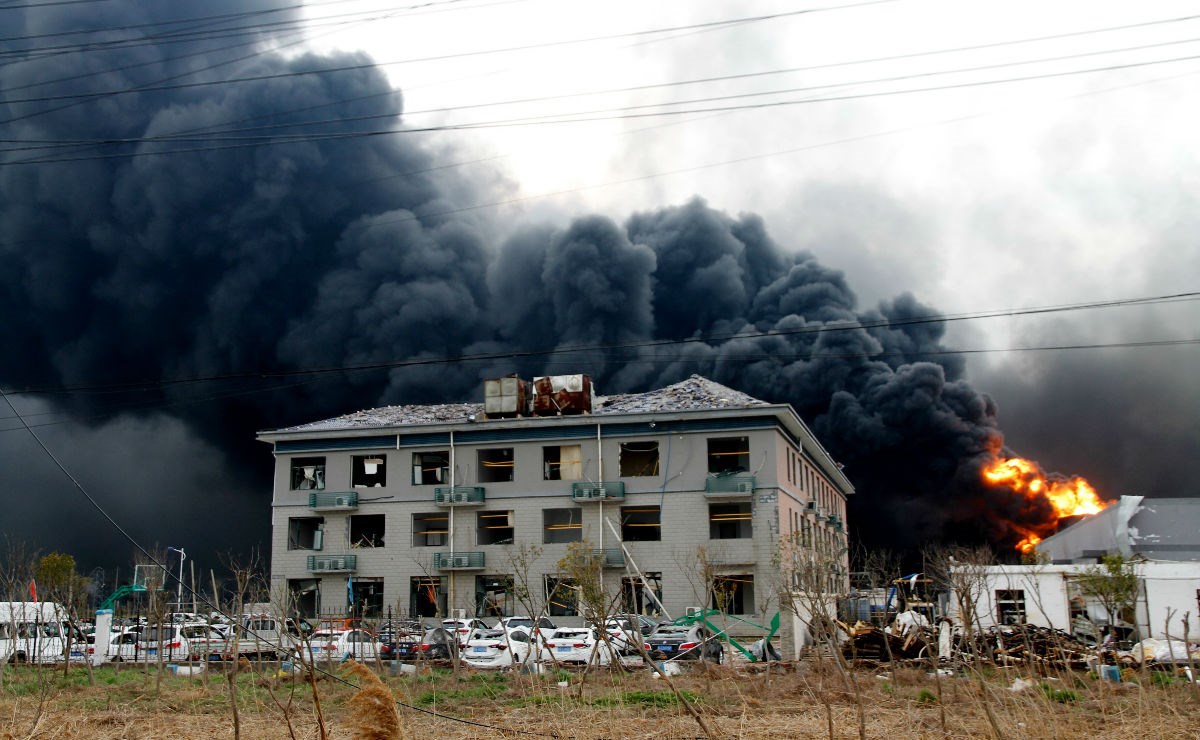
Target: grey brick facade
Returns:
[422, 510]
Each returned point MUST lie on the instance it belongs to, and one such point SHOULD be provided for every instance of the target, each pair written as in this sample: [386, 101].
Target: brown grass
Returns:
[738, 703]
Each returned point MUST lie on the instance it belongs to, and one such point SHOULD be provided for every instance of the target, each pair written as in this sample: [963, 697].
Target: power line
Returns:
[829, 327]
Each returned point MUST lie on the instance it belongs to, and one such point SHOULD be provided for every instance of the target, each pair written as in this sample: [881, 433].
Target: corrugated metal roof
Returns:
[694, 394]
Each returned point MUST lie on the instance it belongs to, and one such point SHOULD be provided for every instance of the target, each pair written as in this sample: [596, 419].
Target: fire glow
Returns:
[1067, 496]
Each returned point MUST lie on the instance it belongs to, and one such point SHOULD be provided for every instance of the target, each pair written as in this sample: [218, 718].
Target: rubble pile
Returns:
[1024, 644]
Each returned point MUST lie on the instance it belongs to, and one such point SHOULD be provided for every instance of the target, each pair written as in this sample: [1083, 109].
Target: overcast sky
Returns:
[1054, 189]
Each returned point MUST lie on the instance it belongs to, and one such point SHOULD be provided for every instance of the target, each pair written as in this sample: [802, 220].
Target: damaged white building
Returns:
[685, 493]
[1159, 537]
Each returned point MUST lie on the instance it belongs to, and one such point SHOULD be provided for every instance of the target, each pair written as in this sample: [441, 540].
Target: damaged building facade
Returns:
[684, 495]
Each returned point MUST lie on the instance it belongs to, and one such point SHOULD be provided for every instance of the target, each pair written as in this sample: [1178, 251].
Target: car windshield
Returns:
[519, 622]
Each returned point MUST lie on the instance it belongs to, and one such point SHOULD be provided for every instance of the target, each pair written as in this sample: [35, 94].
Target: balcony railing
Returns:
[458, 495]
[458, 561]
[725, 486]
[332, 563]
[610, 558]
[333, 501]
[607, 491]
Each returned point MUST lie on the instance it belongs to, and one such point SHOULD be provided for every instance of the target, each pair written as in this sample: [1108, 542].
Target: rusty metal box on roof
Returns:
[507, 397]
[562, 394]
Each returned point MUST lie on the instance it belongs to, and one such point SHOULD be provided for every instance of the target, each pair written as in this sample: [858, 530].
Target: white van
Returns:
[36, 632]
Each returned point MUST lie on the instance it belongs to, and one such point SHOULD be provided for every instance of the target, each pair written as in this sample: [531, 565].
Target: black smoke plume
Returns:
[185, 231]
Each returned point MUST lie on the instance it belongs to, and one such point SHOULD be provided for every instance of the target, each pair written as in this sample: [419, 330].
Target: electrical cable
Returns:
[831, 327]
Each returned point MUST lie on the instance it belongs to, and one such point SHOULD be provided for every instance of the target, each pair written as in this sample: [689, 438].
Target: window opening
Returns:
[730, 521]
[496, 466]
[425, 597]
[308, 474]
[430, 530]
[430, 468]
[493, 596]
[638, 459]
[368, 471]
[368, 597]
[562, 597]
[562, 525]
[367, 530]
[635, 593]
[562, 462]
[306, 533]
[728, 454]
[1010, 606]
[494, 528]
[304, 594]
[641, 524]
[733, 594]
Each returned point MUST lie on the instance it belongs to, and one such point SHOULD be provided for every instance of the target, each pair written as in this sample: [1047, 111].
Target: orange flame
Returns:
[1067, 496]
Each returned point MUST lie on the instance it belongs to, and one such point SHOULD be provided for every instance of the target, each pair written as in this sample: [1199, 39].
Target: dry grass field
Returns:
[800, 702]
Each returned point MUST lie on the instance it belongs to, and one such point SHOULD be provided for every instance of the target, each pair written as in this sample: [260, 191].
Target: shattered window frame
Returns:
[556, 531]
[367, 530]
[732, 520]
[634, 599]
[728, 454]
[302, 529]
[733, 593]
[638, 459]
[562, 597]
[430, 537]
[495, 465]
[426, 597]
[562, 462]
[361, 467]
[307, 474]
[495, 528]
[430, 467]
[494, 596]
[641, 523]
[1010, 606]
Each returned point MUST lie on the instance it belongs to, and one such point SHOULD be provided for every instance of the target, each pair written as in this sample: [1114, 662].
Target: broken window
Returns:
[430, 530]
[302, 595]
[641, 524]
[729, 521]
[430, 468]
[425, 597]
[308, 474]
[728, 454]
[368, 471]
[493, 596]
[366, 530]
[636, 593]
[562, 597]
[496, 466]
[733, 594]
[638, 459]
[1010, 606]
[367, 597]
[562, 462]
[562, 525]
[306, 533]
[494, 527]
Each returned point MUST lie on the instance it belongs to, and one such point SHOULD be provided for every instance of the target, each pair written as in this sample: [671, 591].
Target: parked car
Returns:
[438, 643]
[576, 645]
[509, 623]
[337, 645]
[641, 623]
[174, 641]
[682, 642]
[402, 640]
[465, 629]
[498, 649]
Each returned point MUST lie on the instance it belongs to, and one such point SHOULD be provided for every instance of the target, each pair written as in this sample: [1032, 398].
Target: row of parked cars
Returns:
[522, 640]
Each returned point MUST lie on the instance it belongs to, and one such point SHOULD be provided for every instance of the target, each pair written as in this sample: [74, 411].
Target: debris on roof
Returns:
[694, 394]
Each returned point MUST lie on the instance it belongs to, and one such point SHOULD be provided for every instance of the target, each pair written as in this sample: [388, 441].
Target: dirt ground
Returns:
[798, 701]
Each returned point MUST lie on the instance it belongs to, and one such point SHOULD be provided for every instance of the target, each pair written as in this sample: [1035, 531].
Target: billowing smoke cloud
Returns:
[123, 263]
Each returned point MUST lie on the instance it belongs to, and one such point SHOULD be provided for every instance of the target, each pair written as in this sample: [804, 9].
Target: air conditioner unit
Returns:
[460, 614]
[745, 486]
[693, 610]
[341, 501]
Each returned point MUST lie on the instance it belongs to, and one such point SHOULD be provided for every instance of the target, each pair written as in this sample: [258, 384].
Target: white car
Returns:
[465, 629]
[175, 641]
[498, 649]
[576, 645]
[334, 646]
